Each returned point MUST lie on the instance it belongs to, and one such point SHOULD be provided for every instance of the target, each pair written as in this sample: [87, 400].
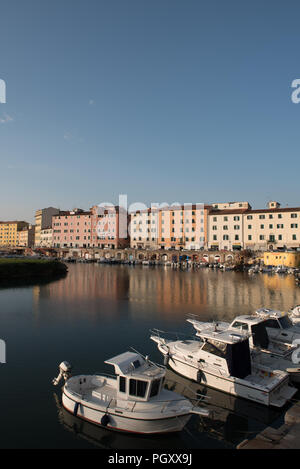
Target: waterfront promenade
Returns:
[130, 254]
[287, 436]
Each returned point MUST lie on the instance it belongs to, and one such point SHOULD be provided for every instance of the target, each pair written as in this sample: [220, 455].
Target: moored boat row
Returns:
[250, 358]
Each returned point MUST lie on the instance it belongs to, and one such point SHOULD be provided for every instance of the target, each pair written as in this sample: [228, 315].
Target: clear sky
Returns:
[162, 100]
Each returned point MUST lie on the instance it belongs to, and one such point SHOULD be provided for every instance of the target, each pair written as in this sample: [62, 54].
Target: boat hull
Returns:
[124, 423]
[231, 386]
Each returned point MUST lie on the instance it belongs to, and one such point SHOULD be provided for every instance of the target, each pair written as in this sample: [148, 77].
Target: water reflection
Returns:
[99, 311]
[136, 292]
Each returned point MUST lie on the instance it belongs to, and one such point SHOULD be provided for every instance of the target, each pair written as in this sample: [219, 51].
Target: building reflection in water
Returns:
[146, 292]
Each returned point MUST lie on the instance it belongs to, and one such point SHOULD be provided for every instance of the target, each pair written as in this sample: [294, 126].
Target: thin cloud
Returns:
[69, 137]
[5, 119]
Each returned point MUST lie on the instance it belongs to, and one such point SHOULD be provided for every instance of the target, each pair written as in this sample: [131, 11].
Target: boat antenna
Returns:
[146, 358]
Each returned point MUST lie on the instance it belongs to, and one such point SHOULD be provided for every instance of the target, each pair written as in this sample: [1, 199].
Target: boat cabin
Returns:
[255, 326]
[138, 379]
[227, 349]
[275, 319]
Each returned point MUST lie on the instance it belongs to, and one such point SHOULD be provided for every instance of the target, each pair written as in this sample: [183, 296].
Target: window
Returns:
[262, 217]
[240, 325]
[294, 225]
[137, 387]
[216, 348]
[249, 237]
[293, 215]
[122, 386]
[273, 323]
[249, 217]
[249, 227]
[154, 387]
[236, 218]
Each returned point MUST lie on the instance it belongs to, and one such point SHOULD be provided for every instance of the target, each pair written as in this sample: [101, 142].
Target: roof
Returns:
[172, 208]
[15, 221]
[226, 336]
[253, 319]
[251, 211]
[133, 364]
[229, 211]
[70, 213]
[271, 313]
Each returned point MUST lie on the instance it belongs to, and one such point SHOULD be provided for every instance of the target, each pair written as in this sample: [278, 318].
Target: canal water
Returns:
[98, 311]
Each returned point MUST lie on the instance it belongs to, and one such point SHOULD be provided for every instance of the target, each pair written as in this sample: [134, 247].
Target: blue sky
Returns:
[162, 100]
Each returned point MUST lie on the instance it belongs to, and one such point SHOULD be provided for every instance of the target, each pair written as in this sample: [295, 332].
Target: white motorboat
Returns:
[280, 325]
[294, 315]
[222, 360]
[267, 350]
[133, 400]
[280, 269]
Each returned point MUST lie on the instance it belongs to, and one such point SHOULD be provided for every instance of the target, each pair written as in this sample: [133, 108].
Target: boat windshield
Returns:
[215, 347]
[285, 322]
[272, 323]
[137, 387]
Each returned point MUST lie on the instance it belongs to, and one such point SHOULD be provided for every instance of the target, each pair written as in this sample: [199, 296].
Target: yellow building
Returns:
[9, 232]
[288, 259]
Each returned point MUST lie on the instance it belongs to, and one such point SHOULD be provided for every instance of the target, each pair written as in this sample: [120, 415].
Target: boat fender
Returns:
[76, 408]
[104, 420]
[166, 359]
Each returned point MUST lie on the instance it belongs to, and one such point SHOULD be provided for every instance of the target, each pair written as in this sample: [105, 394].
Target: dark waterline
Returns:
[98, 311]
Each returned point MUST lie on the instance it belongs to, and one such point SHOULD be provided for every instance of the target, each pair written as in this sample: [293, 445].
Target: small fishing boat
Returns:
[221, 359]
[133, 400]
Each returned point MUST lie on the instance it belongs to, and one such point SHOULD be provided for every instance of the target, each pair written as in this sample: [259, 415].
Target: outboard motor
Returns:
[64, 372]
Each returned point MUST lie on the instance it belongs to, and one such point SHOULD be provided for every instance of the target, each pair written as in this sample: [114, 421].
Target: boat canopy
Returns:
[236, 354]
[126, 362]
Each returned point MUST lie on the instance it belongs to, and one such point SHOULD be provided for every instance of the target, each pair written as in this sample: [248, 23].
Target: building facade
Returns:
[109, 227]
[71, 229]
[26, 236]
[46, 240]
[144, 229]
[244, 228]
[9, 232]
[171, 227]
[43, 220]
[287, 259]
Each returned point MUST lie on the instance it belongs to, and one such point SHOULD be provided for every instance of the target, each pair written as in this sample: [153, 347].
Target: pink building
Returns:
[72, 229]
[109, 227]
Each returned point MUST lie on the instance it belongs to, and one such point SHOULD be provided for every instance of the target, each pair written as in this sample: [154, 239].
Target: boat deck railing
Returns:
[173, 335]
